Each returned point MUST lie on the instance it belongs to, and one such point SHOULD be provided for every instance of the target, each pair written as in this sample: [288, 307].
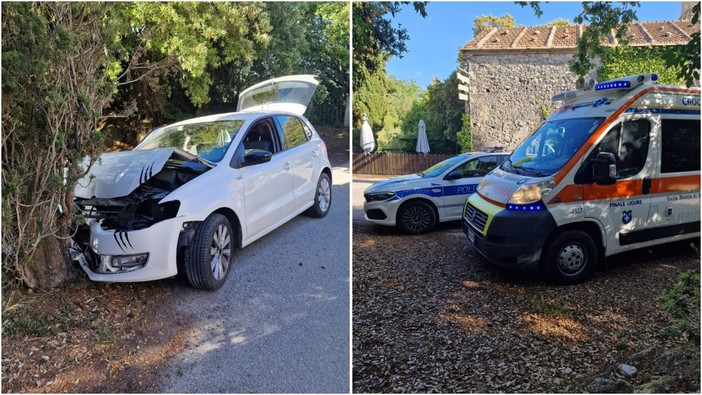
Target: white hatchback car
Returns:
[193, 191]
[416, 202]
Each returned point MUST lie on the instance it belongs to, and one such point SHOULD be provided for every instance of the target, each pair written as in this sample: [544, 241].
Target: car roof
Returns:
[230, 116]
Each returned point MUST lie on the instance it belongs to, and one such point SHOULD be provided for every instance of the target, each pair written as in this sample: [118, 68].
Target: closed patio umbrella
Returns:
[422, 141]
[367, 139]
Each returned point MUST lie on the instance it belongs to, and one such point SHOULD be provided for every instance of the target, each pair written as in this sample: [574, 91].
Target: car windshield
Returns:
[207, 140]
[441, 167]
[550, 146]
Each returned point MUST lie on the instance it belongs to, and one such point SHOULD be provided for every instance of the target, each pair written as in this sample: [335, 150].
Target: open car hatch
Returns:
[291, 93]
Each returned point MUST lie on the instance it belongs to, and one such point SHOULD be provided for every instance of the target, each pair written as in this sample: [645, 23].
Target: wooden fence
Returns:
[395, 163]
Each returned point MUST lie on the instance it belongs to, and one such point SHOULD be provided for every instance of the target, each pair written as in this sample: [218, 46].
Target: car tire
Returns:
[416, 217]
[208, 257]
[570, 257]
[322, 197]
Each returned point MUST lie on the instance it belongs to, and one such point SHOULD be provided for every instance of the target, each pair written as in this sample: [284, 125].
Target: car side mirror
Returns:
[453, 175]
[604, 169]
[256, 156]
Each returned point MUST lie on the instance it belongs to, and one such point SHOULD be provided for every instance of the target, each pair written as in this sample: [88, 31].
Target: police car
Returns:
[416, 202]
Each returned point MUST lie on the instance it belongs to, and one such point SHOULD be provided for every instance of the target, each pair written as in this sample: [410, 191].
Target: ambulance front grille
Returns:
[476, 218]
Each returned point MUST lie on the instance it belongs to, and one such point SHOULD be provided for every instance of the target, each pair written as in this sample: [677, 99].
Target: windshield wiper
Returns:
[190, 156]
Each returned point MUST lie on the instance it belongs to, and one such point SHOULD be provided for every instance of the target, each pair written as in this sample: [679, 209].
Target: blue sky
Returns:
[435, 40]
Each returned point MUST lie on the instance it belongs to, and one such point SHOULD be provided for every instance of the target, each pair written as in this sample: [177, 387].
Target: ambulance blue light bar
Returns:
[538, 206]
[613, 85]
[626, 82]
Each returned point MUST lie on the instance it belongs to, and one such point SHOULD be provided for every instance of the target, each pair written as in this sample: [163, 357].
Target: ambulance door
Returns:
[623, 207]
[675, 207]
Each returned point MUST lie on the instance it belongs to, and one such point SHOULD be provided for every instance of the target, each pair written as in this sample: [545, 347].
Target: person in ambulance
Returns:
[614, 169]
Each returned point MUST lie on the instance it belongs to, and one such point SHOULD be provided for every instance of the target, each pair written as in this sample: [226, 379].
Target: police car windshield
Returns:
[550, 146]
[441, 167]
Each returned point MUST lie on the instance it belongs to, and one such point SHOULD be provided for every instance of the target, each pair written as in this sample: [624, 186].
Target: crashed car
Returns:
[416, 202]
[191, 192]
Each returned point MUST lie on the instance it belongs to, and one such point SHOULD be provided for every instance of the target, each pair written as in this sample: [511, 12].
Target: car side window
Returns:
[261, 136]
[628, 142]
[680, 139]
[478, 167]
[292, 130]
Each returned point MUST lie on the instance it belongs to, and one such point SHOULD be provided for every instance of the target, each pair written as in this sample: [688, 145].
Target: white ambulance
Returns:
[616, 168]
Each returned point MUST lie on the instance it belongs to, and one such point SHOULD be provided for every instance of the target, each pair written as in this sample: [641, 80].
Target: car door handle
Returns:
[315, 154]
[286, 166]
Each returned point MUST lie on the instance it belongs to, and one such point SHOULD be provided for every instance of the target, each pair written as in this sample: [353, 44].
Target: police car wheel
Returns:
[570, 257]
[416, 217]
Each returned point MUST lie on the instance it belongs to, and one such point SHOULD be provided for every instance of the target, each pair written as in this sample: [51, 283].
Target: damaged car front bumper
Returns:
[130, 256]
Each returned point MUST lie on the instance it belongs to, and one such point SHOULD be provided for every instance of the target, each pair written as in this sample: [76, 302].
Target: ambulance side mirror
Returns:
[604, 169]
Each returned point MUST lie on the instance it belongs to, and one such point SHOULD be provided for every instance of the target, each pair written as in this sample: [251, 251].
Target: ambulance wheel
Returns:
[570, 257]
[416, 217]
[208, 258]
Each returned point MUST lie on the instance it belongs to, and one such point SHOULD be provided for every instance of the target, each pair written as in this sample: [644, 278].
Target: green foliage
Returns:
[544, 112]
[394, 109]
[682, 301]
[559, 22]
[602, 18]
[487, 22]
[621, 61]
[444, 113]
[464, 137]
[687, 59]
[387, 101]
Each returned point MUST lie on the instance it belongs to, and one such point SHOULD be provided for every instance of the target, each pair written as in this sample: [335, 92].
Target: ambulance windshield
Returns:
[550, 146]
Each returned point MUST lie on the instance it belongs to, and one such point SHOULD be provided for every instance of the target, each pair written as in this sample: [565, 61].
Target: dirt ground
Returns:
[95, 337]
[89, 337]
[430, 315]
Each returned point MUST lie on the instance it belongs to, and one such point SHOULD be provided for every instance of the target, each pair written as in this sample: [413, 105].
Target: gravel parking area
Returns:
[430, 315]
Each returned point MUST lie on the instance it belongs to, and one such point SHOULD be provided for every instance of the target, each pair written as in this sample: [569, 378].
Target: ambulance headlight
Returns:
[532, 193]
[482, 185]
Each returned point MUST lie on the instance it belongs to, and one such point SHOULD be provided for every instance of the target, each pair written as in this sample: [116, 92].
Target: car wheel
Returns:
[570, 257]
[416, 217]
[322, 197]
[208, 258]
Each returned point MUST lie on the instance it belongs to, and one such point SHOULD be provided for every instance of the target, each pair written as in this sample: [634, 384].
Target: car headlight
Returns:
[532, 193]
[378, 196]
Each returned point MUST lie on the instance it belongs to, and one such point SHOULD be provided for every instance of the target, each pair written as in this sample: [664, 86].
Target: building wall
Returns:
[507, 90]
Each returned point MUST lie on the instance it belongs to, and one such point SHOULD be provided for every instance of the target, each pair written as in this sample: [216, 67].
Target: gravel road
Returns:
[430, 315]
[281, 322]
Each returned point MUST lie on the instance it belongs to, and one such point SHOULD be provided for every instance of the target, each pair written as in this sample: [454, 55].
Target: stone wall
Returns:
[507, 90]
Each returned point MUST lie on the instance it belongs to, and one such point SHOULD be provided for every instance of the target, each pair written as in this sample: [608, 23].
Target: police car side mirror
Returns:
[453, 175]
[604, 169]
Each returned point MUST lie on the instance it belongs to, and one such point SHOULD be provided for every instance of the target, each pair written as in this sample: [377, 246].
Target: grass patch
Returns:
[553, 308]
[35, 326]
[105, 335]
